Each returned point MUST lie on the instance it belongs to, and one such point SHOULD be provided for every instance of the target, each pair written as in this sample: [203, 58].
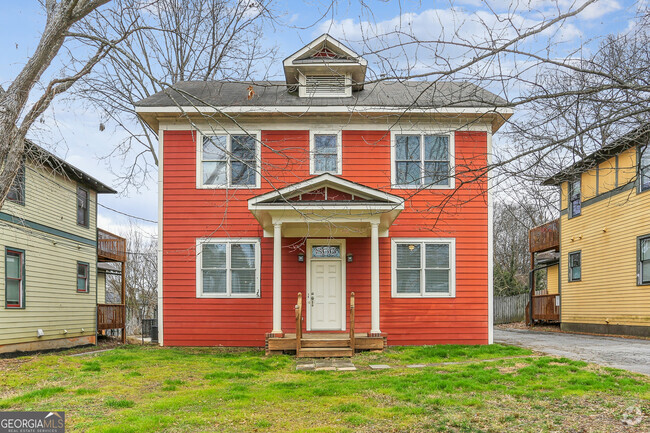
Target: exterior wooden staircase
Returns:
[324, 346]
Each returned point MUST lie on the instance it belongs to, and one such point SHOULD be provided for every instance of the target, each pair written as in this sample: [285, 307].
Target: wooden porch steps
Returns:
[325, 352]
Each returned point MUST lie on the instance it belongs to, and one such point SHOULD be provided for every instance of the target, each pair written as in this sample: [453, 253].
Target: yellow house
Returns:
[49, 237]
[604, 239]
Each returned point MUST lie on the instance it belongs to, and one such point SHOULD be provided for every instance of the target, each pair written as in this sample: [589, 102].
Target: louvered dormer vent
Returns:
[322, 86]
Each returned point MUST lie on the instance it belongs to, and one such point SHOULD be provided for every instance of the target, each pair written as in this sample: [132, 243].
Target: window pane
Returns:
[437, 255]
[408, 256]
[214, 281]
[242, 174]
[408, 173]
[243, 281]
[214, 173]
[436, 173]
[325, 143]
[322, 251]
[81, 284]
[408, 281]
[82, 270]
[436, 148]
[575, 273]
[242, 256]
[436, 281]
[407, 147]
[213, 255]
[243, 147]
[575, 207]
[17, 190]
[645, 249]
[574, 189]
[13, 265]
[82, 206]
[215, 147]
[324, 163]
[13, 292]
[645, 272]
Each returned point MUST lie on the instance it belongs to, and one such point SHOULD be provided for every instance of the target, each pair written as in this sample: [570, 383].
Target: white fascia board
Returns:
[349, 206]
[324, 109]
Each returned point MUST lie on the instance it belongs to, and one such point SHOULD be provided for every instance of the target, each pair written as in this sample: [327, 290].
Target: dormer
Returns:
[325, 68]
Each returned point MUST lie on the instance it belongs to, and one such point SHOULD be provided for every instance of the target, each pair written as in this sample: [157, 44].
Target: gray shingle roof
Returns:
[418, 94]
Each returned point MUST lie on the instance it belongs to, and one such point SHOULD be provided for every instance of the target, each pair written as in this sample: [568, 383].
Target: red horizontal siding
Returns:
[190, 213]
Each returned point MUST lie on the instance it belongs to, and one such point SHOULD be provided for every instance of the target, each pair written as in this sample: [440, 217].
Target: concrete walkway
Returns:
[625, 353]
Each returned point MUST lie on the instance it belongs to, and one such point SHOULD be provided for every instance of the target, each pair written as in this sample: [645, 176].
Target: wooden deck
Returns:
[324, 340]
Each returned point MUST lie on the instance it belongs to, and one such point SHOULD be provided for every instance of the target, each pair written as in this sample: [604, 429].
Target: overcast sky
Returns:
[72, 131]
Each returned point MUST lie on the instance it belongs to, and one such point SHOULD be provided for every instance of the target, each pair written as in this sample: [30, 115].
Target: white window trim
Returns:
[229, 134]
[452, 267]
[451, 184]
[339, 151]
[228, 295]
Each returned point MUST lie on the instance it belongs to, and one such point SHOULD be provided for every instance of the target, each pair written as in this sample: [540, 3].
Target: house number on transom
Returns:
[324, 251]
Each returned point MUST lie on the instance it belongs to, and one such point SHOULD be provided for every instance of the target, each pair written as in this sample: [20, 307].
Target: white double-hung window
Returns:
[228, 161]
[423, 161]
[228, 268]
[325, 153]
[423, 268]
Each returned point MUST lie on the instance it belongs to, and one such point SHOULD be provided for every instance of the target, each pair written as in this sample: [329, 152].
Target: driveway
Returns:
[625, 353]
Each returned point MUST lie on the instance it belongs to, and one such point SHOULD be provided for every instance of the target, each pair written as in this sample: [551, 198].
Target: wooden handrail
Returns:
[298, 309]
[352, 309]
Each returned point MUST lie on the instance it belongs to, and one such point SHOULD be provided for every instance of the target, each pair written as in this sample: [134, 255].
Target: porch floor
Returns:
[324, 340]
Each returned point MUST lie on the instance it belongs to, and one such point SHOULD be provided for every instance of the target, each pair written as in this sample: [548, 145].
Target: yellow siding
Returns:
[606, 234]
[51, 200]
[627, 166]
[564, 193]
[607, 175]
[551, 280]
[589, 184]
[51, 299]
[101, 287]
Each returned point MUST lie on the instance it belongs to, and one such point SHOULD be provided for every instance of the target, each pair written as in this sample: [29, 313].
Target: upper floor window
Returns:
[644, 168]
[228, 161]
[423, 161]
[17, 190]
[644, 260]
[227, 268]
[423, 268]
[325, 153]
[575, 199]
[575, 266]
[83, 204]
[14, 278]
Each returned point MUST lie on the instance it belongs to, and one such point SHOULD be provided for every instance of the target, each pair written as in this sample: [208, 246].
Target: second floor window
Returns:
[325, 154]
[228, 161]
[83, 203]
[16, 192]
[644, 168]
[422, 161]
[644, 260]
[575, 200]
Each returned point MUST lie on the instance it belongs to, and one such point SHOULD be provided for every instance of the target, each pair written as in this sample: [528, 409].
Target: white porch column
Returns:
[277, 279]
[374, 279]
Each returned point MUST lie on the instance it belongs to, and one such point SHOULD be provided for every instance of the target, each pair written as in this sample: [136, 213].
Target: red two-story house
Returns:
[324, 184]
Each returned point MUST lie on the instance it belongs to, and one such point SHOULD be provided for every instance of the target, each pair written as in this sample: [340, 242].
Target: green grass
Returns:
[470, 389]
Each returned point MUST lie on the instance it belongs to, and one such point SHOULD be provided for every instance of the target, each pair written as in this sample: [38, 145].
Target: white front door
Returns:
[326, 298]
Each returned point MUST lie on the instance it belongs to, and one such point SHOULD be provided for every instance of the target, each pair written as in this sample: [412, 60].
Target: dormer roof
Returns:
[325, 56]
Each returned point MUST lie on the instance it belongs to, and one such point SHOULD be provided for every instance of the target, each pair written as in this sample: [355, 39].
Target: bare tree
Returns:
[179, 40]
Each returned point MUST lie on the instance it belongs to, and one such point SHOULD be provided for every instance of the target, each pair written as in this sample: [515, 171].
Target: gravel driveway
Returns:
[626, 353]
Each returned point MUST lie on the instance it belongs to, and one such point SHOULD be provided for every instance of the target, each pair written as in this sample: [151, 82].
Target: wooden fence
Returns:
[508, 309]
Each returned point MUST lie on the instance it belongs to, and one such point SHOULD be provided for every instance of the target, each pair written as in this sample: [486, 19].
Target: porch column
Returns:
[277, 279]
[374, 279]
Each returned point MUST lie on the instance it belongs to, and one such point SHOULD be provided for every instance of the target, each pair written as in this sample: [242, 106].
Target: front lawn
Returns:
[481, 389]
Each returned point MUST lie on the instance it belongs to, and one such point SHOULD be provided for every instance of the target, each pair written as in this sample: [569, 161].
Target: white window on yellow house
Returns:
[644, 260]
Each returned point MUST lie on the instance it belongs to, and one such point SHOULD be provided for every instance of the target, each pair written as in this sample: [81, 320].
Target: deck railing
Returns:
[545, 237]
[111, 316]
[352, 311]
[298, 309]
[546, 307]
[110, 247]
